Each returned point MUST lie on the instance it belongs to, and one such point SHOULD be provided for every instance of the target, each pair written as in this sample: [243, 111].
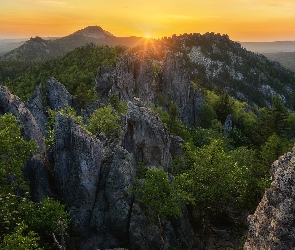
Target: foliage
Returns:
[119, 105]
[76, 70]
[69, 111]
[171, 121]
[104, 120]
[14, 153]
[207, 114]
[161, 195]
[20, 239]
[21, 220]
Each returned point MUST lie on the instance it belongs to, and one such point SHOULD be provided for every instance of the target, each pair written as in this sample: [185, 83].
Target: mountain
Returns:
[282, 52]
[269, 47]
[287, 59]
[171, 151]
[39, 49]
[7, 45]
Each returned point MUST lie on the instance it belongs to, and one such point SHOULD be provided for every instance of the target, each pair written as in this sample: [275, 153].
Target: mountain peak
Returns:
[93, 31]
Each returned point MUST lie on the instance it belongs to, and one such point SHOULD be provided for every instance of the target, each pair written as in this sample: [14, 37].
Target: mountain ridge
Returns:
[40, 50]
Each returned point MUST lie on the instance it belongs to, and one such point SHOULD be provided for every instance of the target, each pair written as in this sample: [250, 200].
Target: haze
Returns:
[242, 20]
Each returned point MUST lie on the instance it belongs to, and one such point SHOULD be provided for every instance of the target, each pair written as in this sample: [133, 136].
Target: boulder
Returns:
[272, 226]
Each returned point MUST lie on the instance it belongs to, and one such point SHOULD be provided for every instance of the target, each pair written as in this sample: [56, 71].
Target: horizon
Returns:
[244, 21]
[57, 37]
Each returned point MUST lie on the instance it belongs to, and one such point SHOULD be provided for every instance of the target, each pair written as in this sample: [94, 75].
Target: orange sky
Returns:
[242, 20]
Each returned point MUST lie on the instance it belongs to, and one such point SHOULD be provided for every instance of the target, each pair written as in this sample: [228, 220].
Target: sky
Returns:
[242, 20]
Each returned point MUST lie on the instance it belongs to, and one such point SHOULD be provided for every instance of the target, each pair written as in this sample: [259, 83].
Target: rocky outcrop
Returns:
[77, 159]
[36, 105]
[145, 136]
[57, 95]
[94, 178]
[272, 226]
[176, 83]
[37, 169]
[137, 75]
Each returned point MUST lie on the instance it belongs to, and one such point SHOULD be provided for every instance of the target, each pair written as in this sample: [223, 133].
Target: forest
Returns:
[220, 178]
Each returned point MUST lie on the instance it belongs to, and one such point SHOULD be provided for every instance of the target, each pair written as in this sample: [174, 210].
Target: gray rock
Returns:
[37, 168]
[272, 226]
[77, 162]
[36, 105]
[104, 81]
[145, 136]
[134, 78]
[57, 95]
[176, 83]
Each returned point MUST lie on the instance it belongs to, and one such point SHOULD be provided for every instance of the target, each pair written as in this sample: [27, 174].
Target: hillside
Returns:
[287, 59]
[209, 61]
[39, 49]
[168, 145]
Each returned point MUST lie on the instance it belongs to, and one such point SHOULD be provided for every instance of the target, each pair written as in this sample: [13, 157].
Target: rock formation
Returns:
[272, 226]
[37, 169]
[137, 75]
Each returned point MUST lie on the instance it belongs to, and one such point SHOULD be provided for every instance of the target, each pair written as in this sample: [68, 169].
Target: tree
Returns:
[23, 223]
[104, 120]
[207, 114]
[161, 196]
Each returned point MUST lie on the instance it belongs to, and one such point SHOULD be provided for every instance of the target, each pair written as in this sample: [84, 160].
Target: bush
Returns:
[104, 120]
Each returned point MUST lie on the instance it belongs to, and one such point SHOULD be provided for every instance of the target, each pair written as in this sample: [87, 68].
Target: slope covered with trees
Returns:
[139, 165]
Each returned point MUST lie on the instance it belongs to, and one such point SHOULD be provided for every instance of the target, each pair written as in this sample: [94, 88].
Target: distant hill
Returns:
[287, 59]
[7, 45]
[39, 49]
[269, 47]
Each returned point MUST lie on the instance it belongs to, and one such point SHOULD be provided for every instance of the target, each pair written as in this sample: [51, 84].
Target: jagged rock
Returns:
[272, 226]
[37, 168]
[135, 77]
[77, 159]
[146, 137]
[176, 83]
[36, 105]
[112, 209]
[104, 81]
[57, 95]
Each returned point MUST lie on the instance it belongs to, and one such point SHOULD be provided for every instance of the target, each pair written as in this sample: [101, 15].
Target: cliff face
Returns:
[93, 176]
[272, 226]
[137, 75]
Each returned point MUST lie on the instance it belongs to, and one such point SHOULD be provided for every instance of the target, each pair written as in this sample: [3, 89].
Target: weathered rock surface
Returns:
[137, 75]
[57, 95]
[77, 159]
[146, 137]
[36, 105]
[132, 77]
[272, 226]
[176, 83]
[37, 168]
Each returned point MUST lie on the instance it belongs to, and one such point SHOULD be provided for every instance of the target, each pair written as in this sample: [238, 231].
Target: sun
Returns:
[147, 35]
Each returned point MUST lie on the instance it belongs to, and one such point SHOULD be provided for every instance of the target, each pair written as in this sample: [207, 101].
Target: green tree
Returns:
[207, 114]
[21, 220]
[104, 120]
[160, 195]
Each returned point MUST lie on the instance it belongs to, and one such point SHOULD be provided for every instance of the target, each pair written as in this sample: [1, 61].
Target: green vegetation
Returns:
[23, 223]
[76, 70]
[104, 120]
[160, 195]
